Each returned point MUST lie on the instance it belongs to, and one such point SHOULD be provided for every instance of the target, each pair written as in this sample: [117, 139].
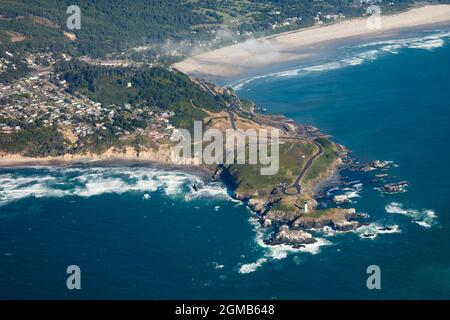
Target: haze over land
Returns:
[239, 58]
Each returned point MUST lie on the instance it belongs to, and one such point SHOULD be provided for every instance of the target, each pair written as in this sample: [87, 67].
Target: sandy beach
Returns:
[237, 59]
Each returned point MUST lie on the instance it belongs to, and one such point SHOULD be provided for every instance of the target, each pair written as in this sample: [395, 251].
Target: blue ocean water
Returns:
[140, 232]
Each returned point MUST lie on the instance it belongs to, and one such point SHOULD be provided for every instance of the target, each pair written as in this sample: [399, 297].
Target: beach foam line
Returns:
[323, 67]
[437, 39]
[243, 82]
[371, 51]
[230, 61]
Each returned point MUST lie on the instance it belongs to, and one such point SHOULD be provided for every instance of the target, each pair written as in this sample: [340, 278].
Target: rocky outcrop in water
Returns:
[294, 238]
[395, 187]
[374, 165]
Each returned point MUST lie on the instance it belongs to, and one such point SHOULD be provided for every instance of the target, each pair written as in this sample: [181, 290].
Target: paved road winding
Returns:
[297, 182]
[231, 116]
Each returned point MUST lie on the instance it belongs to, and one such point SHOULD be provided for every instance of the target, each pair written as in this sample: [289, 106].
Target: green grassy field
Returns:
[322, 163]
[250, 180]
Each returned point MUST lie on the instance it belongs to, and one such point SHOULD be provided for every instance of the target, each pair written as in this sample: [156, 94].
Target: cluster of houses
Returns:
[321, 18]
[286, 22]
[6, 63]
[42, 99]
[37, 60]
[37, 99]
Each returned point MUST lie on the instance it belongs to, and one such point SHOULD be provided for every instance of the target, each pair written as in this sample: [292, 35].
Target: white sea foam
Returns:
[277, 252]
[349, 194]
[211, 190]
[89, 182]
[427, 45]
[429, 42]
[172, 183]
[363, 53]
[323, 67]
[216, 265]
[353, 61]
[146, 196]
[239, 86]
[125, 180]
[36, 190]
[251, 267]
[371, 231]
[422, 223]
[280, 252]
[391, 48]
[288, 73]
[425, 218]
[369, 55]
[14, 188]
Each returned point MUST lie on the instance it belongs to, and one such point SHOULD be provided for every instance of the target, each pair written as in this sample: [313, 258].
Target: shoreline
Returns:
[328, 54]
[262, 52]
[25, 162]
[293, 46]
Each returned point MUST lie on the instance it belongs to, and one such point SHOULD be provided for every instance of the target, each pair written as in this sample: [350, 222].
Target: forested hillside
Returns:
[109, 26]
[106, 25]
[157, 87]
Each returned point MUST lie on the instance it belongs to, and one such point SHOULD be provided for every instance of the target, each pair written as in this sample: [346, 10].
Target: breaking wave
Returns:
[360, 54]
[430, 42]
[347, 194]
[89, 182]
[277, 252]
[371, 231]
[368, 231]
[252, 267]
[425, 218]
